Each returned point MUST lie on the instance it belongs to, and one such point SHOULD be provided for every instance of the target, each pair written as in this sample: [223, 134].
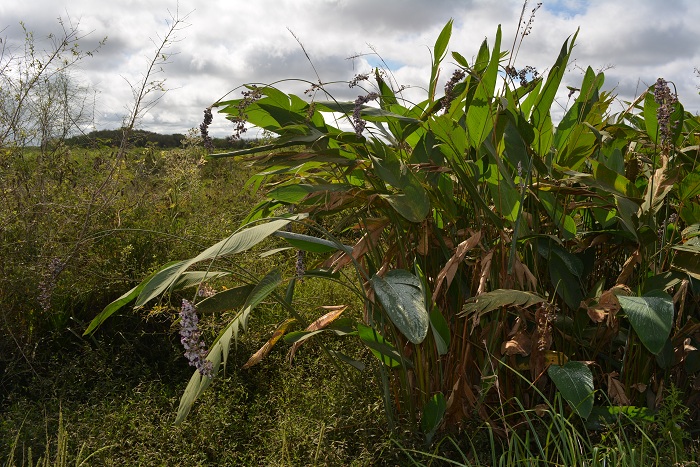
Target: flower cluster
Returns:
[204, 129]
[205, 290]
[666, 101]
[522, 75]
[359, 77]
[457, 76]
[190, 337]
[300, 267]
[358, 123]
[249, 98]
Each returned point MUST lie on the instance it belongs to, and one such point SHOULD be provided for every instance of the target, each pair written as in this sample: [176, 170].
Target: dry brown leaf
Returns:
[607, 307]
[447, 274]
[485, 272]
[320, 323]
[265, 349]
[599, 240]
[520, 344]
[640, 387]
[541, 410]
[659, 395]
[628, 268]
[368, 240]
[616, 391]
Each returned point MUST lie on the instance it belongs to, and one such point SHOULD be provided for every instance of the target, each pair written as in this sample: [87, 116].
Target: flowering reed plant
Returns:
[482, 237]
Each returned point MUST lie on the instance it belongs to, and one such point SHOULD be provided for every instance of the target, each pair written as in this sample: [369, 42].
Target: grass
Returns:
[111, 399]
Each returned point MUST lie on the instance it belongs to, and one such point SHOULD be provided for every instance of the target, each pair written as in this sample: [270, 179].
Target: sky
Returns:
[223, 44]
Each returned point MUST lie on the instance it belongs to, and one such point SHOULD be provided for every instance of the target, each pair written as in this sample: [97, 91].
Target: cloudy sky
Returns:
[227, 43]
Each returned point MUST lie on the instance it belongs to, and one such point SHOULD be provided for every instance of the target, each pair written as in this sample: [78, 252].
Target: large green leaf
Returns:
[651, 317]
[574, 381]
[229, 299]
[402, 297]
[236, 243]
[113, 307]
[160, 282]
[545, 99]
[439, 52]
[192, 278]
[689, 187]
[588, 94]
[380, 347]
[480, 115]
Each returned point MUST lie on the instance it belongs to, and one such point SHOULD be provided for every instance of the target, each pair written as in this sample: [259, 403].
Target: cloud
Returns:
[232, 42]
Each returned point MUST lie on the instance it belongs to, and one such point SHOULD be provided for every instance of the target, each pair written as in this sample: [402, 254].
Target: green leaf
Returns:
[574, 381]
[113, 307]
[433, 413]
[651, 317]
[402, 297]
[380, 347]
[442, 41]
[438, 55]
[310, 243]
[441, 331]
[545, 99]
[577, 113]
[300, 336]
[689, 187]
[480, 116]
[236, 243]
[160, 282]
[192, 278]
[413, 205]
[358, 365]
[229, 299]
[601, 418]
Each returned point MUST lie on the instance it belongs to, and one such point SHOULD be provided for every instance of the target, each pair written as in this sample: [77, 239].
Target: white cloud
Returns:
[231, 42]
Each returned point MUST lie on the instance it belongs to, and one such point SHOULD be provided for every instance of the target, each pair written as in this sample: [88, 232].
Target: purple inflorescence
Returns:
[356, 118]
[204, 129]
[666, 101]
[457, 76]
[190, 337]
[300, 266]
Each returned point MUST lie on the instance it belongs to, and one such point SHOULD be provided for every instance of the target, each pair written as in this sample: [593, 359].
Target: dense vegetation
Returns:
[143, 138]
[457, 280]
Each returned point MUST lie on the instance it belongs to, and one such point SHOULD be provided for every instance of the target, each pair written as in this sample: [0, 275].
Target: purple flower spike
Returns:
[190, 337]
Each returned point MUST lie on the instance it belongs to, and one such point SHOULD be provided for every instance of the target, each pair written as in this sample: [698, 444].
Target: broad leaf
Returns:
[402, 297]
[380, 347]
[226, 300]
[574, 381]
[651, 317]
[113, 307]
[441, 331]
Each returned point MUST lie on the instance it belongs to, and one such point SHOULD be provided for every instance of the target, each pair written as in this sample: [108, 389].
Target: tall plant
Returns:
[485, 238]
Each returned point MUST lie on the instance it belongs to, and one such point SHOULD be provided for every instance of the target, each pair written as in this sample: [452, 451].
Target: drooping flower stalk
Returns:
[190, 337]
[666, 100]
[358, 123]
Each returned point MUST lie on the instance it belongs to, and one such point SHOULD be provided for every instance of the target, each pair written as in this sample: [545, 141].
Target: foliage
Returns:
[588, 228]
